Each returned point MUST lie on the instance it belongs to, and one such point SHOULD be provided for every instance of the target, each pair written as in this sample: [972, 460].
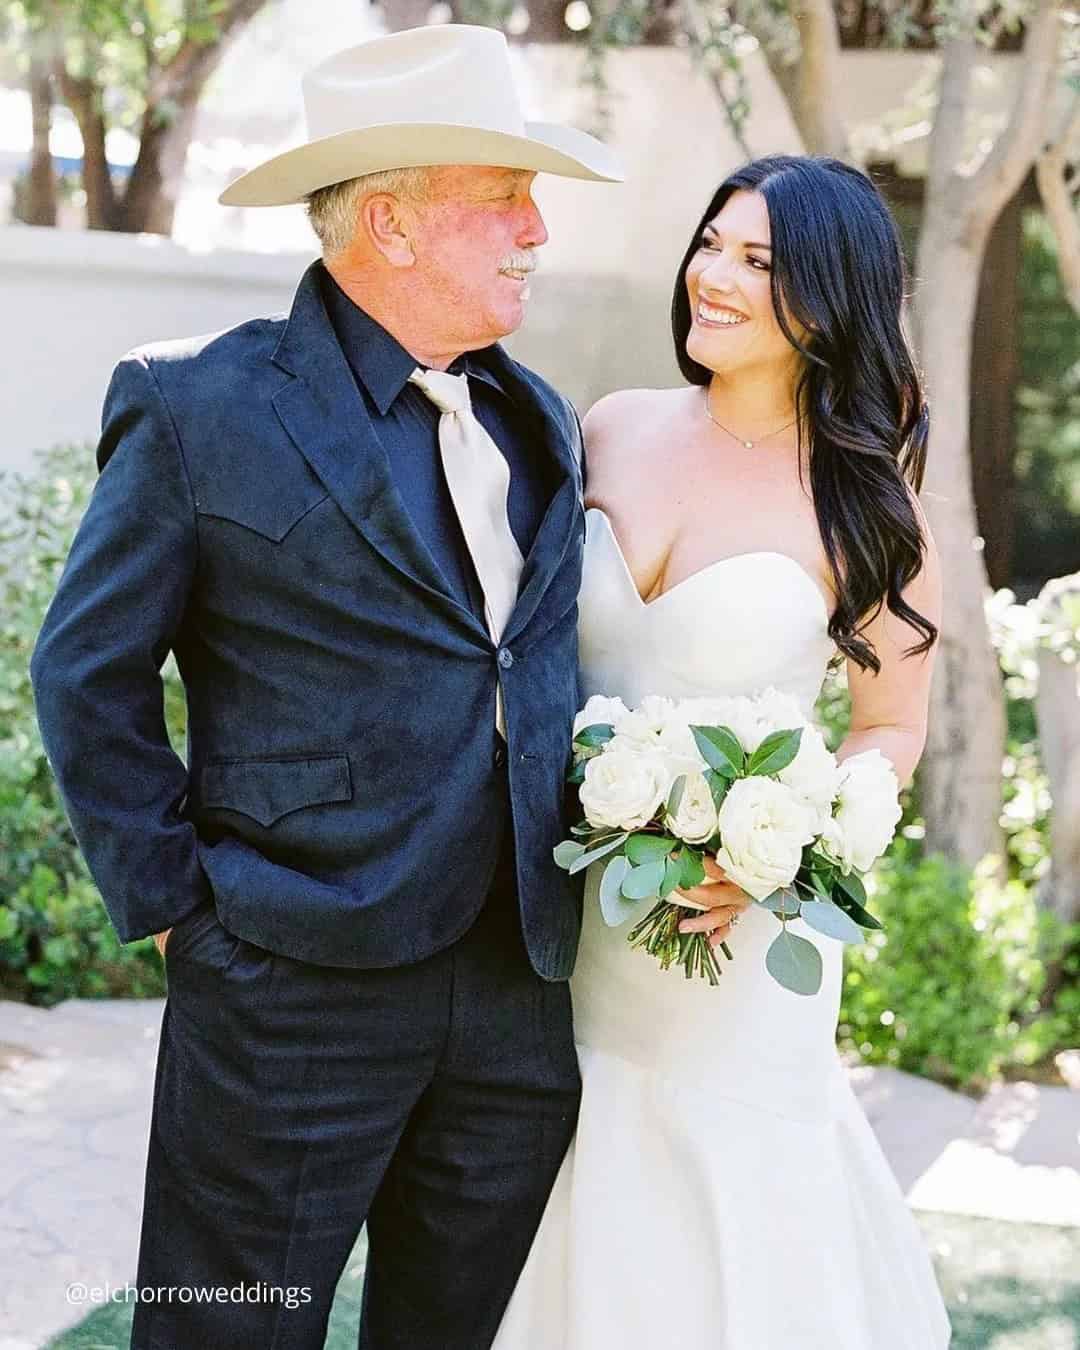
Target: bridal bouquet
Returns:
[747, 781]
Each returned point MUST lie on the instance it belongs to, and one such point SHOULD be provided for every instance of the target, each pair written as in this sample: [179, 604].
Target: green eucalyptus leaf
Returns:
[672, 877]
[675, 796]
[785, 902]
[592, 738]
[614, 907]
[577, 773]
[567, 853]
[720, 749]
[794, 963]
[693, 871]
[643, 848]
[594, 854]
[775, 752]
[644, 882]
[831, 920]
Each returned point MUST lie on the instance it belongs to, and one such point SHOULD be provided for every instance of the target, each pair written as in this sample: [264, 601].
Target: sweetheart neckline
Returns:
[709, 567]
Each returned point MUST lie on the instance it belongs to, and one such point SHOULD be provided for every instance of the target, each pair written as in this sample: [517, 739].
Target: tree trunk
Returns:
[401, 14]
[816, 107]
[995, 374]
[1058, 710]
[40, 203]
[960, 777]
[149, 203]
[84, 99]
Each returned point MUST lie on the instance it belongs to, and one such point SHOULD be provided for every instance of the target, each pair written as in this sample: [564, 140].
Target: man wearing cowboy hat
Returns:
[360, 530]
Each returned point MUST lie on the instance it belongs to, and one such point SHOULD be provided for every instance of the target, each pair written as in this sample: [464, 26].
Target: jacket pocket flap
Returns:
[271, 513]
[267, 789]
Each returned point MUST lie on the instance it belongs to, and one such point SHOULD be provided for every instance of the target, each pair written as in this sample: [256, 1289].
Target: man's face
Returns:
[474, 244]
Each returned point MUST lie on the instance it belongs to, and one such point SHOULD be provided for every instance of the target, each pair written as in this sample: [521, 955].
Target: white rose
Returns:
[814, 775]
[599, 711]
[763, 827]
[866, 814]
[695, 820]
[624, 790]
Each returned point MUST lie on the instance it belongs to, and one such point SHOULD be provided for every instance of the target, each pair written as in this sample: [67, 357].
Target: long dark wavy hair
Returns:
[838, 272]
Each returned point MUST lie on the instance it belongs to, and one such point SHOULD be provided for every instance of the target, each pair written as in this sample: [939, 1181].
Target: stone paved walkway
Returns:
[75, 1091]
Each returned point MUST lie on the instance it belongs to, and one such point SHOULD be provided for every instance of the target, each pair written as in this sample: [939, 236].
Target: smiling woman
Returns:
[796, 267]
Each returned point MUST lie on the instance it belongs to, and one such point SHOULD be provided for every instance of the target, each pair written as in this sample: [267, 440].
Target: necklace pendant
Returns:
[749, 444]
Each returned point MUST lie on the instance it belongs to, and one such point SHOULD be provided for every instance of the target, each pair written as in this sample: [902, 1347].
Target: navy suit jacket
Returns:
[345, 793]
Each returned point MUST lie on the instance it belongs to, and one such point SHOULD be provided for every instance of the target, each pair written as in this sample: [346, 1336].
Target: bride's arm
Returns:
[889, 709]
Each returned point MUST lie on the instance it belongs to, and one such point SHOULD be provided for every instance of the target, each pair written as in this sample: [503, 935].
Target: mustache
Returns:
[519, 261]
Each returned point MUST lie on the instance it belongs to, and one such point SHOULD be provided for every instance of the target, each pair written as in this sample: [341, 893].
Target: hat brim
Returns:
[545, 148]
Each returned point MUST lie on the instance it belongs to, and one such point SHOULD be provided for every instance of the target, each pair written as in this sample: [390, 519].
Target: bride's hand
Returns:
[720, 900]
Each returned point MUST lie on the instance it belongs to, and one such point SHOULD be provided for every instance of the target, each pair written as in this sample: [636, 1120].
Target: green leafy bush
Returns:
[940, 992]
[952, 989]
[55, 937]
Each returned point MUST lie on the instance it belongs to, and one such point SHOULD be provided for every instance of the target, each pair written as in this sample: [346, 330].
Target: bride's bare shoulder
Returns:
[628, 419]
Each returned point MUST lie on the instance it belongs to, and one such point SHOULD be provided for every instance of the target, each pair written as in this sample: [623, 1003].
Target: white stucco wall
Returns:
[74, 302]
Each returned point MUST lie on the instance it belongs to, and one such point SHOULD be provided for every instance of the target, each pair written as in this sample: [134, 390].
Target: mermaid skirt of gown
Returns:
[725, 1190]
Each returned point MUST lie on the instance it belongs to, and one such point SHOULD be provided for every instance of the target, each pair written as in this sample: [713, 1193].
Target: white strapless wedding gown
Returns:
[724, 1190]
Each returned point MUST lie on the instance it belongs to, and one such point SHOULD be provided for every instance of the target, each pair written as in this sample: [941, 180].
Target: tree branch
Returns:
[84, 99]
[41, 195]
[196, 61]
[699, 30]
[784, 70]
[816, 107]
[950, 121]
[1008, 163]
[1051, 170]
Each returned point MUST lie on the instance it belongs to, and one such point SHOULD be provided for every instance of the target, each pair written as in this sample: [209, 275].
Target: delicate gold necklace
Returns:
[749, 445]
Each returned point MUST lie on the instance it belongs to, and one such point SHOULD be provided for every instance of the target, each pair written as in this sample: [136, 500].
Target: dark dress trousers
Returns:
[367, 1015]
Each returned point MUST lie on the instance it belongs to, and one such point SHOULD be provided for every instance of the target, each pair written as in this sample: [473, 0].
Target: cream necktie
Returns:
[478, 477]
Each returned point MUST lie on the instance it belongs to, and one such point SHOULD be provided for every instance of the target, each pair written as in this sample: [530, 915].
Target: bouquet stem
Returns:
[659, 934]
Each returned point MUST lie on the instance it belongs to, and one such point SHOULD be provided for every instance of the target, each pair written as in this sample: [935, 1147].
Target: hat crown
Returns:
[446, 73]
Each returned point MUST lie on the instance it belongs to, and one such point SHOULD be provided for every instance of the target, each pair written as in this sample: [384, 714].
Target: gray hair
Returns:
[332, 210]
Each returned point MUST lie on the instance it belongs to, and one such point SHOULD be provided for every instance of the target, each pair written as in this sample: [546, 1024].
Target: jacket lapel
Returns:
[559, 436]
[326, 418]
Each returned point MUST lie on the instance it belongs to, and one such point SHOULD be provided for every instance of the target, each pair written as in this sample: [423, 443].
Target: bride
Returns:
[725, 1191]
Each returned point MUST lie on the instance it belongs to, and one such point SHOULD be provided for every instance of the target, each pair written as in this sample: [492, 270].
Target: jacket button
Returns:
[499, 757]
[505, 658]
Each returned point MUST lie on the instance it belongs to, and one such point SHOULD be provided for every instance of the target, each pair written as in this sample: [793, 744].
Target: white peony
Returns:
[624, 788]
[599, 711]
[695, 820]
[778, 711]
[866, 814]
[814, 775]
[676, 740]
[763, 827]
[645, 722]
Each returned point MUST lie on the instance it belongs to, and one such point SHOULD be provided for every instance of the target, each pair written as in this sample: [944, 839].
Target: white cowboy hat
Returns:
[438, 95]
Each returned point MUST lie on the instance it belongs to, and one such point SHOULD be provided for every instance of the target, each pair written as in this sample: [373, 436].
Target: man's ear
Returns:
[388, 224]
